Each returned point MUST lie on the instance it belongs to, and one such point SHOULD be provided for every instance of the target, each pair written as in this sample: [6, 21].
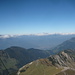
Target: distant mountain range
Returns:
[33, 41]
[11, 59]
[61, 64]
[69, 44]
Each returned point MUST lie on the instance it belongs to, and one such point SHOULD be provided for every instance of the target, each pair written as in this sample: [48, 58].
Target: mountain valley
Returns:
[43, 42]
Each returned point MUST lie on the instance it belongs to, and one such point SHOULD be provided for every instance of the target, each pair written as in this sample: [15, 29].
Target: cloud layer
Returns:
[38, 34]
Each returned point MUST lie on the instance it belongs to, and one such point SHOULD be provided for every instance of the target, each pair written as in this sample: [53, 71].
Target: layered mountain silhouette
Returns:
[69, 44]
[11, 59]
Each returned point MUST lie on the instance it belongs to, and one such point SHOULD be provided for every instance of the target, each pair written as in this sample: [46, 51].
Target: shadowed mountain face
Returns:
[33, 41]
[7, 64]
[11, 59]
[23, 56]
[61, 64]
[69, 44]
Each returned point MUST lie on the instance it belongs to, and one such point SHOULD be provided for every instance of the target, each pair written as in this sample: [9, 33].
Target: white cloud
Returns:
[38, 34]
[5, 36]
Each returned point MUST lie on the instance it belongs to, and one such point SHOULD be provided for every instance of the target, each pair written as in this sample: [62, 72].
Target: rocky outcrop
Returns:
[62, 59]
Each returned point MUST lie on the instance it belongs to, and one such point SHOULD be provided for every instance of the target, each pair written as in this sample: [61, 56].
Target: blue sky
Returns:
[37, 16]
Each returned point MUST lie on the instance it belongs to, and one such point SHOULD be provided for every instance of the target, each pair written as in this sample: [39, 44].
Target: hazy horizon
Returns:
[37, 34]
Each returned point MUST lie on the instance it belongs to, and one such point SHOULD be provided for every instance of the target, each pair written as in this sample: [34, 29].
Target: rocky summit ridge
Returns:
[62, 63]
[63, 59]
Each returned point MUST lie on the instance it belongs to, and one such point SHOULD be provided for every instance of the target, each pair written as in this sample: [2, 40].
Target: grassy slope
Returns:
[67, 72]
[40, 67]
[9, 64]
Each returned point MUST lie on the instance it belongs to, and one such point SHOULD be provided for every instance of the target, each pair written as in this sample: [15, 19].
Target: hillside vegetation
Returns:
[11, 59]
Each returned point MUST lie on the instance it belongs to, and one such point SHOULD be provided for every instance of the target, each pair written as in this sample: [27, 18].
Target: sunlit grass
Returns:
[37, 68]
